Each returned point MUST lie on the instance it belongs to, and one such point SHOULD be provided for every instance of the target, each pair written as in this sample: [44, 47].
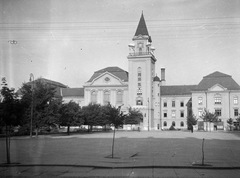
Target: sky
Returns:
[66, 41]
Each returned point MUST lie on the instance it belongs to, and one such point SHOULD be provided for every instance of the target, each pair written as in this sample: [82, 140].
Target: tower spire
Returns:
[142, 27]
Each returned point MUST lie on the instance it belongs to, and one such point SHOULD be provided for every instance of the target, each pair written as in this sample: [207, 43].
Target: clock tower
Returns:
[141, 68]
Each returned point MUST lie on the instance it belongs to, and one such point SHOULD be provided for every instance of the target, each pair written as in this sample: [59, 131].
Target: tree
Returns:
[191, 120]
[115, 118]
[92, 115]
[39, 96]
[230, 123]
[10, 113]
[209, 117]
[70, 115]
[134, 117]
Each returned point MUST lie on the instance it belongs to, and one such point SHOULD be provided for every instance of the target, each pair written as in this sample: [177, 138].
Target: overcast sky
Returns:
[66, 41]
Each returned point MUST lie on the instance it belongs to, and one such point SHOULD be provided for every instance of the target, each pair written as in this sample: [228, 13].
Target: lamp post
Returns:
[148, 114]
[31, 117]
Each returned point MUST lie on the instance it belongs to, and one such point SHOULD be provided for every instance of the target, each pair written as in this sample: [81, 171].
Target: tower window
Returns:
[139, 101]
[173, 103]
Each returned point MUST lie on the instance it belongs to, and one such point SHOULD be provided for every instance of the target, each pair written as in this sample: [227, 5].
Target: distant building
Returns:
[162, 105]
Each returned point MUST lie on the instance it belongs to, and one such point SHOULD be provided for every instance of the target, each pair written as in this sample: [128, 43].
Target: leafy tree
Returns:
[230, 122]
[209, 117]
[70, 115]
[92, 114]
[114, 116]
[191, 120]
[134, 117]
[39, 96]
[10, 112]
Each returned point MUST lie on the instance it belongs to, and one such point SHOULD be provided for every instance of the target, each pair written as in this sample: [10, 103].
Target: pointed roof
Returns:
[217, 78]
[118, 72]
[142, 27]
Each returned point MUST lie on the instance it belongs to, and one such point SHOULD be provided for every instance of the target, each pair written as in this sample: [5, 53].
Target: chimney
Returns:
[163, 76]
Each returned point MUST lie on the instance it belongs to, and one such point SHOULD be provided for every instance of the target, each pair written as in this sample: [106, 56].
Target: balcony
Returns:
[140, 53]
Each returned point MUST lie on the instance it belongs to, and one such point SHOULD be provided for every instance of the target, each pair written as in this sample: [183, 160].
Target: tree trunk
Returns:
[36, 131]
[68, 129]
[8, 145]
[113, 142]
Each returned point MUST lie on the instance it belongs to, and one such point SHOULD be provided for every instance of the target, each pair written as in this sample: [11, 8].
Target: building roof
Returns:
[177, 89]
[156, 78]
[72, 92]
[118, 72]
[50, 82]
[217, 78]
[142, 27]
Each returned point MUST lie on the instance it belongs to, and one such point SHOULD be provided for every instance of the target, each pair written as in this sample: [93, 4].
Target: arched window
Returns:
[217, 99]
[182, 124]
[106, 97]
[119, 97]
[235, 100]
[94, 97]
[165, 124]
[173, 124]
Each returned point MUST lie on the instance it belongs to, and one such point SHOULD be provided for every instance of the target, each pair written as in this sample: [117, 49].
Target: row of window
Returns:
[173, 114]
[218, 100]
[173, 124]
[218, 112]
[106, 97]
[173, 103]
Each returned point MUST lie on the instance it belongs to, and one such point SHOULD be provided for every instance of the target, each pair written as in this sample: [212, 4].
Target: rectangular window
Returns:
[200, 100]
[119, 97]
[164, 104]
[173, 114]
[235, 100]
[165, 114]
[236, 112]
[218, 100]
[182, 104]
[218, 112]
[173, 103]
[182, 114]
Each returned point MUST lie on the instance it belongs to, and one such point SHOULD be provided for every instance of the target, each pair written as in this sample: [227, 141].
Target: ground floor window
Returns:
[182, 124]
[173, 124]
[165, 124]
[235, 112]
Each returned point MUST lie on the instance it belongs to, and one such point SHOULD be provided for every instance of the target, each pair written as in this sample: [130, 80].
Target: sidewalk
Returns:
[145, 154]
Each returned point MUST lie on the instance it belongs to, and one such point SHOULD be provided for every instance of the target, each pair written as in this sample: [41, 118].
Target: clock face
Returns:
[107, 79]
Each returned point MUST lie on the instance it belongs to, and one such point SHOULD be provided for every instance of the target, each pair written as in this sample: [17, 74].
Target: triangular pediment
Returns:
[217, 87]
[107, 79]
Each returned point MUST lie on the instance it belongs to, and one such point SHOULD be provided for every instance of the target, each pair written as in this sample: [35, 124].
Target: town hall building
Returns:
[162, 105]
